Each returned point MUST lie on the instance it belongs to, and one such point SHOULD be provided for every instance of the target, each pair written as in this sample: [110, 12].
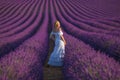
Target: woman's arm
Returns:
[63, 39]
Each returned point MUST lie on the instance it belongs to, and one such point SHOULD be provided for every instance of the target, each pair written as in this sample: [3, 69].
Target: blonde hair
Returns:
[56, 23]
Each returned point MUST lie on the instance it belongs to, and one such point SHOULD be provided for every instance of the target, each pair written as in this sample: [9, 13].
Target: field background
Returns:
[91, 29]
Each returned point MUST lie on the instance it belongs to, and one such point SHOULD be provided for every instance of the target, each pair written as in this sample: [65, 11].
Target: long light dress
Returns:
[56, 57]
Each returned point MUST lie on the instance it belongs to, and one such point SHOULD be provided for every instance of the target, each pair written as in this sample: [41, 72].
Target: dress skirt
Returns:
[56, 57]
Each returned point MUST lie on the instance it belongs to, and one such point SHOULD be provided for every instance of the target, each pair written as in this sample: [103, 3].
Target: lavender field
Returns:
[91, 29]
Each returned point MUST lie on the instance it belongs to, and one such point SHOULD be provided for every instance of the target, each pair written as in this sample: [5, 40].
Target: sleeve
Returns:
[61, 33]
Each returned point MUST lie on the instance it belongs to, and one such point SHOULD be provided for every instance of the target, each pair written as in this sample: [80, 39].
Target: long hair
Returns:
[56, 23]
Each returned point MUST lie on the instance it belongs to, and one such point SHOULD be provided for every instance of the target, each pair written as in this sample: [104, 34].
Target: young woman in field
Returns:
[56, 57]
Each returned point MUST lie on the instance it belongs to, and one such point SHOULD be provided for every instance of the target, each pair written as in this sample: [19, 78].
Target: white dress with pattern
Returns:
[56, 57]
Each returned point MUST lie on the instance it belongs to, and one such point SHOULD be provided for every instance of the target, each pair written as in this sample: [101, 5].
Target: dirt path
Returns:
[52, 73]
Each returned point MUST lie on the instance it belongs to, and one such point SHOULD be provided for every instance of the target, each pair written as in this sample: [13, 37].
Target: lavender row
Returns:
[15, 28]
[80, 14]
[13, 1]
[26, 61]
[81, 11]
[84, 26]
[83, 62]
[94, 10]
[70, 11]
[87, 9]
[115, 24]
[111, 23]
[5, 13]
[14, 14]
[8, 8]
[5, 5]
[10, 43]
[77, 23]
[107, 43]
[17, 19]
[112, 10]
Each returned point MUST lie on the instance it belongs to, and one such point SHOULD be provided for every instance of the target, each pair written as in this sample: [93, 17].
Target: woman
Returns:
[56, 57]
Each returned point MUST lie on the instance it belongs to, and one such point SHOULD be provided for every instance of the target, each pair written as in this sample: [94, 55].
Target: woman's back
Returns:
[57, 34]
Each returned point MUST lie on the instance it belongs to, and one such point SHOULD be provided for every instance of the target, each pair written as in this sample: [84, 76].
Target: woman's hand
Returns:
[65, 43]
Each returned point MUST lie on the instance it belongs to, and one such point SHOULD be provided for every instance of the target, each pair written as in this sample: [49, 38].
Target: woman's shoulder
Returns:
[60, 31]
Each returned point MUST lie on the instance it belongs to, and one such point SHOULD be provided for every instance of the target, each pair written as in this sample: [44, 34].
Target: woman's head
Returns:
[57, 24]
